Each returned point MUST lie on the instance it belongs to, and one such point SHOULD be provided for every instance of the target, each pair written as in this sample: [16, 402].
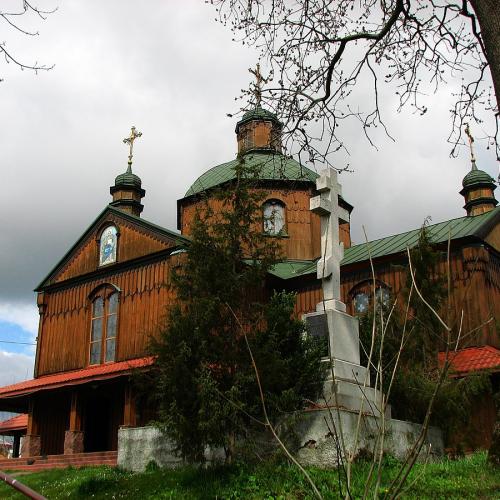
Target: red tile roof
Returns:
[17, 423]
[75, 377]
[473, 359]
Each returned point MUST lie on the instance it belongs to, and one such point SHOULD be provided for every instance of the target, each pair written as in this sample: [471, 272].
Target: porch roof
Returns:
[473, 359]
[75, 377]
[17, 423]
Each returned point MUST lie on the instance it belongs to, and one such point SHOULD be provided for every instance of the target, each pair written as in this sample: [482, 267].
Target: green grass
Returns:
[470, 477]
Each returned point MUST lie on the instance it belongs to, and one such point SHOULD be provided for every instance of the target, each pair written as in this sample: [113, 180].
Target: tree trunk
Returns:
[488, 17]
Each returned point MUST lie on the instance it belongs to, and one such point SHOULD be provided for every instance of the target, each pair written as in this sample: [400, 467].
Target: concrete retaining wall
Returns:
[318, 446]
[138, 446]
[313, 440]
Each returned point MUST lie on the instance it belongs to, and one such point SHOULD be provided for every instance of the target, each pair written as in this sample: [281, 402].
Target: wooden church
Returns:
[106, 296]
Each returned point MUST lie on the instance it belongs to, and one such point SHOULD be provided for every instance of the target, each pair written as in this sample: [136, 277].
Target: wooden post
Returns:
[129, 414]
[32, 441]
[73, 437]
[16, 445]
[32, 420]
[75, 417]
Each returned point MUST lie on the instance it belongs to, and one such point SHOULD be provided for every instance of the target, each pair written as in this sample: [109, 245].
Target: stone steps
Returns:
[35, 464]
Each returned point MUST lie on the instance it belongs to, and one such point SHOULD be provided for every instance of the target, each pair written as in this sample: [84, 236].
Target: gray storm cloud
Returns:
[173, 73]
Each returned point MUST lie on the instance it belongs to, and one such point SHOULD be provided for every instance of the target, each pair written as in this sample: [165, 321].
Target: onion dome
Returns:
[128, 179]
[477, 177]
[127, 192]
[478, 187]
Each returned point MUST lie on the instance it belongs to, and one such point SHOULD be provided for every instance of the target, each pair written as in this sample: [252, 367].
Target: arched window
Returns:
[103, 326]
[362, 296]
[108, 245]
[274, 217]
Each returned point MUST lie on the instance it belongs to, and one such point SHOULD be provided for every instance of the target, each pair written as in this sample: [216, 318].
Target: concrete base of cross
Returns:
[348, 383]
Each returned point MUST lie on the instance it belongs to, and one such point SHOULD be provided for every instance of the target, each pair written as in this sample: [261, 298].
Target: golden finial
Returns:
[134, 134]
[257, 86]
[471, 147]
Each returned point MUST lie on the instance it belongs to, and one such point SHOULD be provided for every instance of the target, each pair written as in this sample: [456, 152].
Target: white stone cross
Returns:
[326, 205]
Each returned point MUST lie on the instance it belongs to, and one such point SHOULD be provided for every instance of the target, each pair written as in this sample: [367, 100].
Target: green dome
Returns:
[274, 166]
[476, 176]
[128, 179]
[257, 113]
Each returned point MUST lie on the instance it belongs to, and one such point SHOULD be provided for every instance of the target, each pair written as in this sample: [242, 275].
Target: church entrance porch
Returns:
[75, 412]
[76, 420]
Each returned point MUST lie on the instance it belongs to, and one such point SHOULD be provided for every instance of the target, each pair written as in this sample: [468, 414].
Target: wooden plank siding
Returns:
[133, 242]
[65, 323]
[52, 415]
[302, 240]
[475, 289]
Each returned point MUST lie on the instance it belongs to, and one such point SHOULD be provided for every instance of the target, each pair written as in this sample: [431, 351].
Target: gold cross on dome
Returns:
[134, 134]
[258, 84]
[471, 142]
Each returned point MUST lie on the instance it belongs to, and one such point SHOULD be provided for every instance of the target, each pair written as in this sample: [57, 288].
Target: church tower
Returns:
[478, 187]
[127, 191]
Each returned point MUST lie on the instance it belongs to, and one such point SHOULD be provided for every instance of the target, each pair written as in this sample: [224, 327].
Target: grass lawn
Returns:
[470, 477]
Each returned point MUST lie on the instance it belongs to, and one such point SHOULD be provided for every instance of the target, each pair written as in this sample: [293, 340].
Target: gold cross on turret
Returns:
[258, 84]
[134, 134]
[471, 147]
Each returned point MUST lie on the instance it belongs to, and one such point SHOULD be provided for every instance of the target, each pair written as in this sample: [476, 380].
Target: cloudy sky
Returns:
[166, 67]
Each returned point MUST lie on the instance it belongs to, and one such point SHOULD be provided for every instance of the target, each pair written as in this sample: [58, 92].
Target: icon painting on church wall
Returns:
[107, 253]
[274, 217]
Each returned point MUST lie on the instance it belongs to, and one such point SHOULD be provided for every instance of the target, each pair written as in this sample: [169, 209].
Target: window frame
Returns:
[104, 293]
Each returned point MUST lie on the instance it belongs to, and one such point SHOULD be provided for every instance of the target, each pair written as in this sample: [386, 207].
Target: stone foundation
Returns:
[31, 446]
[73, 442]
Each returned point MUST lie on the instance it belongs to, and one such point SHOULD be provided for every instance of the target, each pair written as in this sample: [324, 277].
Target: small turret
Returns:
[259, 130]
[478, 186]
[127, 191]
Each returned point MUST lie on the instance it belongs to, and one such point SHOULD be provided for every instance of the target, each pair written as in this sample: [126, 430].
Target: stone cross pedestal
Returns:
[344, 387]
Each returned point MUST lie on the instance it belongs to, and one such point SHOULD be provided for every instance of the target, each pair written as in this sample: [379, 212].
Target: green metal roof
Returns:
[274, 166]
[128, 178]
[476, 176]
[293, 268]
[438, 233]
[257, 113]
[462, 227]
